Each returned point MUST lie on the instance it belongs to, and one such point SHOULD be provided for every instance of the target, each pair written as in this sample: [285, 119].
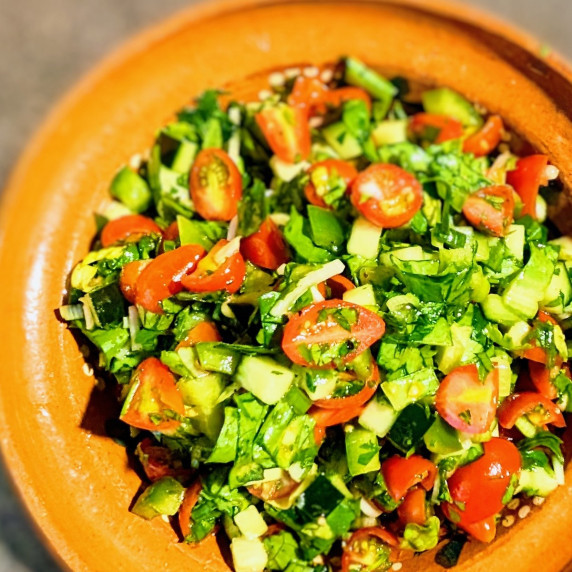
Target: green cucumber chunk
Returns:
[362, 450]
[265, 378]
[163, 497]
[445, 101]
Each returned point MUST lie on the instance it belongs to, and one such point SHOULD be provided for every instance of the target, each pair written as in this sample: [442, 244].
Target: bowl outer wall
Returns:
[76, 482]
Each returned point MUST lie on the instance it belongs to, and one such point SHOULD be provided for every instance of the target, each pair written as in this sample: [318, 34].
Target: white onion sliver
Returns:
[368, 508]
[133, 318]
[232, 228]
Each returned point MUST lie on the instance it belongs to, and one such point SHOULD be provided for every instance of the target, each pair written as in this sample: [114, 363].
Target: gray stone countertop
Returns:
[46, 46]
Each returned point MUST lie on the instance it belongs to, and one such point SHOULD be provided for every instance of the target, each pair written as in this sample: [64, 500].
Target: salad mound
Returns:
[336, 322]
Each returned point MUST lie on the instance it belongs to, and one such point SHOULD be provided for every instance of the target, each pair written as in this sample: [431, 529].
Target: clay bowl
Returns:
[74, 480]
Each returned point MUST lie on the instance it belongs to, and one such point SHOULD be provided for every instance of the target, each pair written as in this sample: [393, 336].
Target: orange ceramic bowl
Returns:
[75, 481]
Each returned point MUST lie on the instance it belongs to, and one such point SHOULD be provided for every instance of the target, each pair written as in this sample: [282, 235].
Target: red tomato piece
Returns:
[357, 400]
[153, 398]
[401, 474]
[338, 285]
[128, 278]
[128, 228]
[526, 179]
[266, 247]
[490, 210]
[159, 462]
[215, 185]
[329, 332]
[486, 139]
[330, 417]
[171, 232]
[202, 332]
[337, 97]
[539, 410]
[310, 95]
[273, 490]
[190, 499]
[366, 547]
[484, 530]
[542, 377]
[477, 489]
[413, 509]
[287, 131]
[387, 195]
[466, 402]
[435, 128]
[212, 275]
[162, 277]
[539, 354]
[327, 176]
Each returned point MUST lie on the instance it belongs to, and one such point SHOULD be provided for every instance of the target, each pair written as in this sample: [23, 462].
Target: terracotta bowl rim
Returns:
[145, 40]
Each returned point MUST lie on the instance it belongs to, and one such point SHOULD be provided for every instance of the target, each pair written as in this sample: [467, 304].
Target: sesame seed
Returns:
[311, 71]
[276, 79]
[87, 369]
[316, 121]
[291, 72]
[508, 520]
[327, 75]
[135, 161]
[165, 517]
[513, 504]
[551, 172]
[397, 566]
[524, 511]
[264, 94]
[537, 501]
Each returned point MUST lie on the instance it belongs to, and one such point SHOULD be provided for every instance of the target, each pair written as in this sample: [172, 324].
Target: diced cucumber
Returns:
[564, 243]
[441, 438]
[362, 450]
[362, 296]
[163, 497]
[496, 310]
[502, 363]
[536, 481]
[185, 156]
[445, 101]
[527, 428]
[319, 383]
[410, 388]
[250, 523]
[132, 190]
[463, 349]
[390, 131]
[480, 286]
[215, 356]
[378, 416]
[106, 304]
[514, 240]
[407, 432]
[296, 398]
[364, 238]
[517, 334]
[265, 378]
[248, 554]
[527, 289]
[407, 253]
[559, 292]
[541, 208]
[341, 141]
[404, 307]
[287, 171]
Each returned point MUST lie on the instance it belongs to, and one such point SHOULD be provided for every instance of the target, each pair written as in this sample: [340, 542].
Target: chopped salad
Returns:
[336, 322]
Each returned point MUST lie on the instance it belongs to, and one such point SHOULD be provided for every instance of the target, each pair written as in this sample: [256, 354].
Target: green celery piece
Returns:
[327, 230]
[362, 450]
[132, 190]
[163, 497]
[360, 75]
[410, 388]
[226, 445]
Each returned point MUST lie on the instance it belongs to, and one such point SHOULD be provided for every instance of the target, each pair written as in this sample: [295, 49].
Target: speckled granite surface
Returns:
[45, 46]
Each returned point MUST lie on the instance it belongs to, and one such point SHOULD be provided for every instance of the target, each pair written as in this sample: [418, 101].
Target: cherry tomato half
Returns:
[368, 549]
[539, 410]
[327, 176]
[202, 332]
[542, 376]
[215, 185]
[287, 131]
[477, 489]
[162, 277]
[129, 227]
[490, 210]
[266, 247]
[486, 139]
[338, 97]
[329, 417]
[159, 462]
[401, 474]
[535, 353]
[484, 530]
[339, 285]
[387, 195]
[212, 275]
[128, 278]
[413, 509]
[190, 499]
[360, 398]
[526, 179]
[435, 128]
[330, 332]
[467, 403]
[153, 398]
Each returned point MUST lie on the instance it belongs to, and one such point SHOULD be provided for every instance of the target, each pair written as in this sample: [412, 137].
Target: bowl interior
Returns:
[75, 480]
